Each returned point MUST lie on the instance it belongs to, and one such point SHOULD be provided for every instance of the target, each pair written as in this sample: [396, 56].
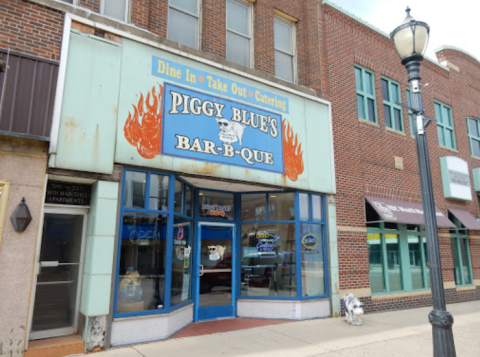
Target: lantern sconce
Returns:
[21, 217]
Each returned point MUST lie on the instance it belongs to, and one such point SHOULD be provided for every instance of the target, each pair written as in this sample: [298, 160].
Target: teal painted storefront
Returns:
[159, 113]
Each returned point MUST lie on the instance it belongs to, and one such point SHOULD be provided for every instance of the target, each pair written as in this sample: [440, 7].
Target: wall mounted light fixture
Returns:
[21, 217]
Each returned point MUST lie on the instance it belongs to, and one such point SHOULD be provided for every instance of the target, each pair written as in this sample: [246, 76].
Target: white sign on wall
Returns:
[456, 179]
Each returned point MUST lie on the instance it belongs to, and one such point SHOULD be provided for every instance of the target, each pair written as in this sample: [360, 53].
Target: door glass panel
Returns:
[216, 257]
[375, 258]
[56, 293]
[465, 259]
[393, 261]
[456, 264]
[415, 256]
[427, 263]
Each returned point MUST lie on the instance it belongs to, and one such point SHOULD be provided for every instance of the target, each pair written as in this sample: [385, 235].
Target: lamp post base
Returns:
[442, 333]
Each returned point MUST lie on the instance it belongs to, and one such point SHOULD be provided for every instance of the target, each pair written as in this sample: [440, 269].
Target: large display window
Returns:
[281, 237]
[282, 246]
[155, 240]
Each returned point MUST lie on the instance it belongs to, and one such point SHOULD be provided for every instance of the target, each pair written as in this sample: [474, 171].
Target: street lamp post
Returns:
[410, 40]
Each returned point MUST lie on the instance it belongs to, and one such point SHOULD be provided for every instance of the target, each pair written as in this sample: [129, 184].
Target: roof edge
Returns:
[376, 29]
[445, 47]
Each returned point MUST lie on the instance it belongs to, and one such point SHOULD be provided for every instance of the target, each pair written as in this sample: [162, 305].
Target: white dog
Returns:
[353, 309]
[230, 131]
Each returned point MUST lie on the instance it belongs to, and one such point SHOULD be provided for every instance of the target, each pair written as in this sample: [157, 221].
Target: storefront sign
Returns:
[456, 179]
[309, 243]
[216, 210]
[66, 193]
[266, 244]
[203, 127]
[208, 81]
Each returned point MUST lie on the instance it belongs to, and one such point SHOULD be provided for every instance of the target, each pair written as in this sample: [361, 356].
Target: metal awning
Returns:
[404, 212]
[465, 218]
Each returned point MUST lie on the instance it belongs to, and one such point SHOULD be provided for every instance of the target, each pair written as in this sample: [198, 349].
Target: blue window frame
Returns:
[474, 136]
[443, 114]
[391, 110]
[365, 86]
[156, 226]
[158, 220]
[283, 246]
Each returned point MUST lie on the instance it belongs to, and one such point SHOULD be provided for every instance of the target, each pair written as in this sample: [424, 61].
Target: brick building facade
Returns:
[329, 50]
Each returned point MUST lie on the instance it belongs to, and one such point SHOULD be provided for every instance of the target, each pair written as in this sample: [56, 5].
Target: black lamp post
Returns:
[410, 40]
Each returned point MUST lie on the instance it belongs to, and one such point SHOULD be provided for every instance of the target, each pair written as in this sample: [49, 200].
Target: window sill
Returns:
[465, 288]
[148, 314]
[475, 157]
[398, 132]
[387, 296]
[368, 122]
[447, 148]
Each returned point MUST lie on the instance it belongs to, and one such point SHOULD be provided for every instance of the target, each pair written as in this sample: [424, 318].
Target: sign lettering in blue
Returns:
[209, 82]
[203, 127]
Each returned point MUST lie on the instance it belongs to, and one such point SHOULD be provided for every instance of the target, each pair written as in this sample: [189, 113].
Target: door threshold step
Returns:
[56, 347]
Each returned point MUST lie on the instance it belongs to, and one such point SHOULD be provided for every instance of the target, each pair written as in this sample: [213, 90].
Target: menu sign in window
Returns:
[66, 193]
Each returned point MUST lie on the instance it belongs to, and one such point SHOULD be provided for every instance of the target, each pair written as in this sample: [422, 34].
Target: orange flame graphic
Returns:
[292, 153]
[143, 130]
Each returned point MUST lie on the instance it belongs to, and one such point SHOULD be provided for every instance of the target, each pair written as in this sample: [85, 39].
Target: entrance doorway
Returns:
[215, 283]
[59, 269]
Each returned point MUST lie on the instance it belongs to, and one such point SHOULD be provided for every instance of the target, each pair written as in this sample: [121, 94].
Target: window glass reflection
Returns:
[141, 280]
[313, 267]
[281, 206]
[375, 259]
[317, 208]
[181, 262]
[304, 200]
[159, 187]
[394, 262]
[254, 207]
[218, 205]
[268, 260]
[179, 192]
[135, 188]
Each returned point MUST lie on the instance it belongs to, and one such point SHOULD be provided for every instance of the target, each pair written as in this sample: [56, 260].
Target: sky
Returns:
[452, 23]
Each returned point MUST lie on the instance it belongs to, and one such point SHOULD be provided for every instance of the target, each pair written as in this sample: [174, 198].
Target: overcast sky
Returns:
[452, 23]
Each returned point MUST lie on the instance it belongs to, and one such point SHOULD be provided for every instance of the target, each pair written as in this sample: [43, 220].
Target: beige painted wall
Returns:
[23, 163]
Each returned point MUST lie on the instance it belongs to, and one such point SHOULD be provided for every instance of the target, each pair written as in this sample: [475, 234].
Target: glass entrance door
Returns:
[215, 298]
[56, 297]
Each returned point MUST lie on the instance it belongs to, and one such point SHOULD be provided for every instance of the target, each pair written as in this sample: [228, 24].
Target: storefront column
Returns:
[333, 254]
[98, 268]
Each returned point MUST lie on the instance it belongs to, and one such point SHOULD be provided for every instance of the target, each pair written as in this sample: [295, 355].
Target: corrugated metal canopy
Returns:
[28, 94]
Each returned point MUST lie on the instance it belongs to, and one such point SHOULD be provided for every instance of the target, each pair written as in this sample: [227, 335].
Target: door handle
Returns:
[201, 270]
[49, 264]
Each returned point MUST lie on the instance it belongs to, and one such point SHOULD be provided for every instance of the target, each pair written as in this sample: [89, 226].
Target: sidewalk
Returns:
[393, 334]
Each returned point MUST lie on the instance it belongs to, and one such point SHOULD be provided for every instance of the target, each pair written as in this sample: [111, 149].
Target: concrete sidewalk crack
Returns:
[141, 354]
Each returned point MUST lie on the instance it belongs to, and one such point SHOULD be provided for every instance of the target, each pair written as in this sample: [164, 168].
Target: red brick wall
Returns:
[29, 28]
[93, 5]
[364, 153]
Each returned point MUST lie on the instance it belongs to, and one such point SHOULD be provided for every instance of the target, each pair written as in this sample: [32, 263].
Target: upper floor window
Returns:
[284, 49]
[365, 94]
[239, 32]
[443, 114]
[184, 22]
[413, 124]
[117, 9]
[391, 110]
[474, 136]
